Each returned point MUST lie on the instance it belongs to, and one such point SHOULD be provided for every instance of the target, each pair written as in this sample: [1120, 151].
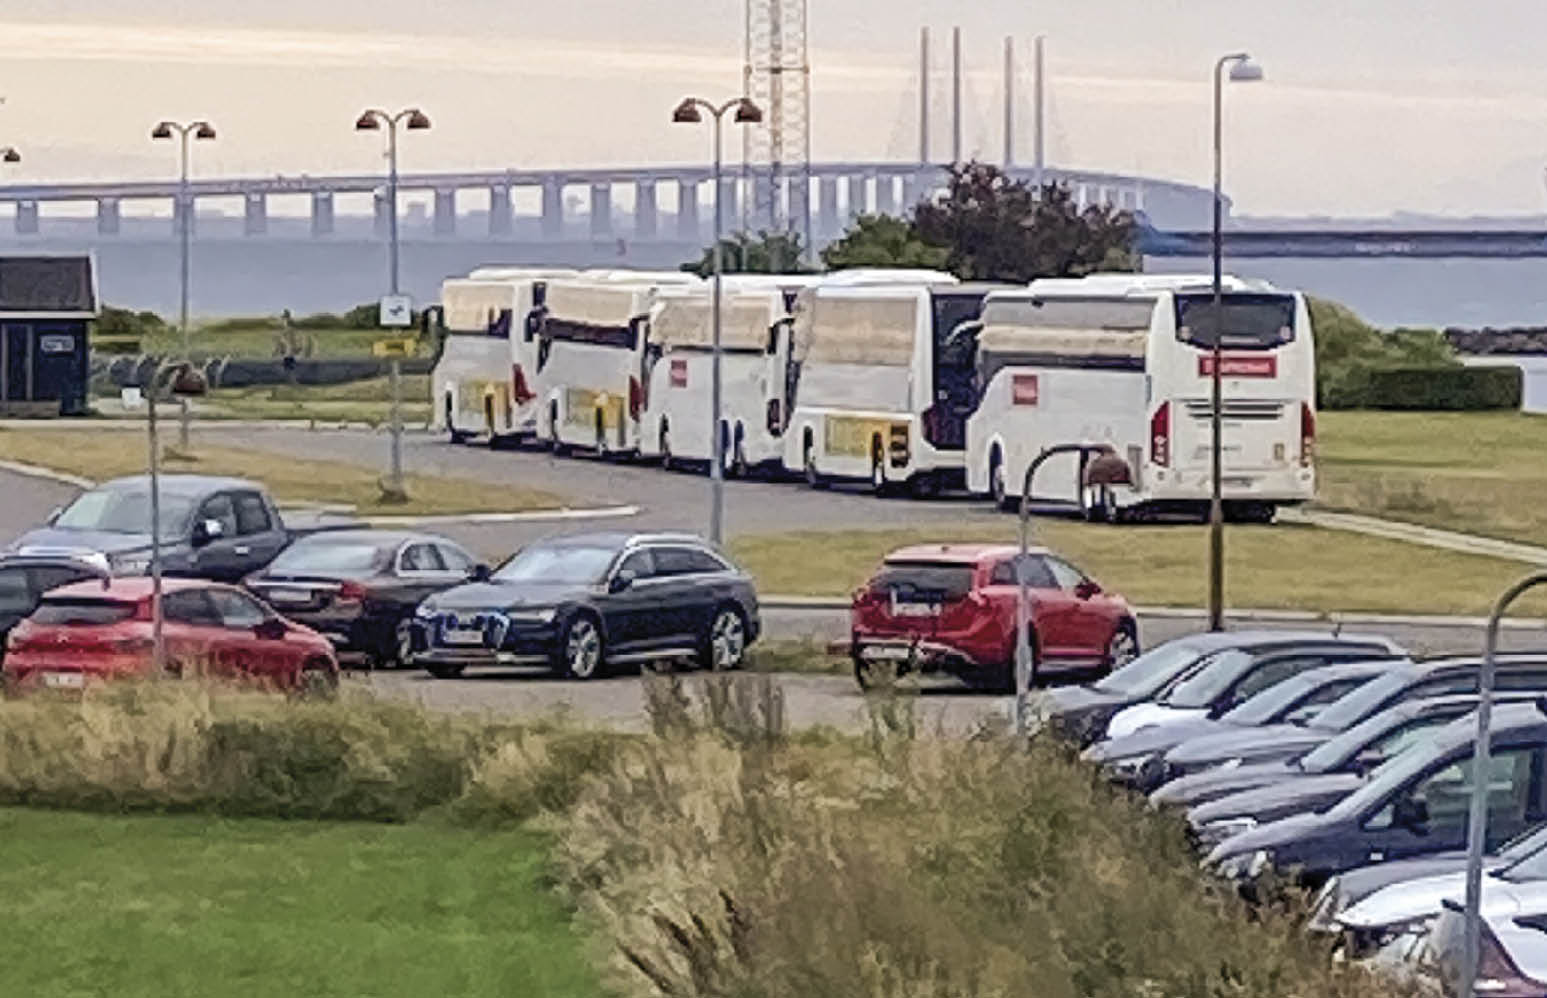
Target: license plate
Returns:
[290, 595]
[462, 637]
[915, 609]
[64, 680]
[888, 654]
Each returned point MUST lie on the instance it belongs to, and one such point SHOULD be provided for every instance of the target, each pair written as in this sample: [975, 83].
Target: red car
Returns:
[951, 608]
[102, 630]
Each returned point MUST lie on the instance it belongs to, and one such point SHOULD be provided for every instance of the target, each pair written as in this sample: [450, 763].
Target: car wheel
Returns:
[724, 644]
[403, 645]
[318, 680]
[1123, 646]
[1004, 682]
[581, 654]
[444, 671]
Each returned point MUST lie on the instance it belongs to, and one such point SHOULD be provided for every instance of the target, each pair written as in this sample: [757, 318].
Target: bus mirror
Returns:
[1106, 468]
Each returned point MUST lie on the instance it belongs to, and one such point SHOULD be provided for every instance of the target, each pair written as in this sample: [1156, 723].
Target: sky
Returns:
[1369, 107]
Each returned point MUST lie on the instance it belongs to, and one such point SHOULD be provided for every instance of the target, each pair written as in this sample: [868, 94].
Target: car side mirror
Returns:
[53, 515]
[480, 573]
[270, 629]
[622, 581]
[207, 530]
[1411, 814]
[1087, 589]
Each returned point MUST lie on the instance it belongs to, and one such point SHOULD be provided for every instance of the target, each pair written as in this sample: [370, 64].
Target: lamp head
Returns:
[1244, 70]
[748, 113]
[162, 131]
[204, 130]
[368, 122]
[418, 121]
[10, 155]
[687, 113]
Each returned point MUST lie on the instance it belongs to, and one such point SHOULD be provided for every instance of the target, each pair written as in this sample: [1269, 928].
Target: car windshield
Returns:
[557, 564]
[1150, 671]
[1204, 686]
[342, 560]
[1271, 702]
[82, 612]
[1391, 775]
[1348, 711]
[119, 511]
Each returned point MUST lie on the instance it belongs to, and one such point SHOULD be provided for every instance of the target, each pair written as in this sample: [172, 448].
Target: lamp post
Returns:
[204, 132]
[689, 113]
[186, 381]
[414, 120]
[1242, 70]
[1477, 825]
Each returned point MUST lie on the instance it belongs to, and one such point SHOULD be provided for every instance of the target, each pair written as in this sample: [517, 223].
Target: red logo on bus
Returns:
[1024, 389]
[1239, 367]
[679, 374]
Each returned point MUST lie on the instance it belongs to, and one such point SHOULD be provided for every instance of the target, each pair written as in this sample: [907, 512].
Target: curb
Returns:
[1332, 617]
[36, 471]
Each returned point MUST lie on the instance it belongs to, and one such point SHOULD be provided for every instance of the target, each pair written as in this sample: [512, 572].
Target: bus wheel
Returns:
[665, 439]
[996, 486]
[878, 482]
[451, 426]
[738, 452]
[813, 477]
[554, 443]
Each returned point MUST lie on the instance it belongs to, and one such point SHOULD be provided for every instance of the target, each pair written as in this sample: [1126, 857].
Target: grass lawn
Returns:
[259, 338]
[1477, 472]
[1273, 567]
[163, 907]
[109, 453]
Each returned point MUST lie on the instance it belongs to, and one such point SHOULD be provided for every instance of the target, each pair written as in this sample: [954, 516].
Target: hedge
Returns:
[1435, 388]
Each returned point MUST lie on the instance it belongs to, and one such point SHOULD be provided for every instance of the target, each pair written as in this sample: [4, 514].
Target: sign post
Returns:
[396, 313]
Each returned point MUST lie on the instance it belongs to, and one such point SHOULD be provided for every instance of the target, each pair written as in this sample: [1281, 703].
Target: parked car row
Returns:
[1343, 764]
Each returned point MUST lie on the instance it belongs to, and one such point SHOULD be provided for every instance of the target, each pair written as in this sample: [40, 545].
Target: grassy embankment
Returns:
[368, 402]
[104, 454]
[718, 856]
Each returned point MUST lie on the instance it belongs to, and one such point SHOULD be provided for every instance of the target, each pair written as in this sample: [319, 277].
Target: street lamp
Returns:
[689, 113]
[204, 132]
[10, 155]
[1242, 70]
[184, 380]
[374, 120]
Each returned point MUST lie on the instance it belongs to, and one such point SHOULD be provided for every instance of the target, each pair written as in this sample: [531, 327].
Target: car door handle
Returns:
[243, 549]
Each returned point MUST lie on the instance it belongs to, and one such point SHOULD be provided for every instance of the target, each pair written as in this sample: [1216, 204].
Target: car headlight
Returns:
[424, 611]
[1126, 768]
[1245, 865]
[532, 616]
[1215, 832]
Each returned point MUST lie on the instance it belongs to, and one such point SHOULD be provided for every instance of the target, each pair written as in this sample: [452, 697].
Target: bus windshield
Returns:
[1251, 321]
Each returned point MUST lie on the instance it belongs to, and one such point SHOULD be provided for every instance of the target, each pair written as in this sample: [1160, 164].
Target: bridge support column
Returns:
[859, 202]
[601, 209]
[383, 215]
[687, 211]
[500, 218]
[255, 217]
[446, 213]
[322, 213]
[886, 195]
[553, 208]
[108, 216]
[646, 220]
[916, 187]
[827, 216]
[26, 218]
[800, 205]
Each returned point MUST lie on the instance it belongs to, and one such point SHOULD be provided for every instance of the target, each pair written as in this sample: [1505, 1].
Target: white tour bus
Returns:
[480, 384]
[1126, 360]
[882, 389]
[754, 351]
[592, 346]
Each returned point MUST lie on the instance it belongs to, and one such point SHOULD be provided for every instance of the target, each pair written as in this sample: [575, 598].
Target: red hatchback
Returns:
[951, 608]
[95, 630]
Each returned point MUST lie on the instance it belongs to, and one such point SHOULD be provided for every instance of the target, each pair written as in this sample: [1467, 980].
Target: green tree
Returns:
[883, 241]
[996, 228]
[765, 253]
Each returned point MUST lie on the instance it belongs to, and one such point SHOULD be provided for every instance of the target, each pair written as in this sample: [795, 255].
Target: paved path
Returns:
[1412, 533]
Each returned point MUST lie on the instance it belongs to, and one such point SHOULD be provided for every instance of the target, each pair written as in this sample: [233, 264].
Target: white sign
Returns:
[397, 311]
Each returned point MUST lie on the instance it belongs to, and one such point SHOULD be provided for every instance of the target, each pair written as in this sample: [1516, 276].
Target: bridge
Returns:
[842, 191]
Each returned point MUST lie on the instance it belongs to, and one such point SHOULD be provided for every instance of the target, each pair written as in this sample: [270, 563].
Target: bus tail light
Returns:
[1160, 435]
[636, 398]
[1307, 435]
[519, 390]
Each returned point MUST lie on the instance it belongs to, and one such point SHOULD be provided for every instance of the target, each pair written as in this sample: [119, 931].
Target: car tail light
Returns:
[350, 591]
[775, 417]
[1160, 435]
[636, 398]
[519, 390]
[1307, 435]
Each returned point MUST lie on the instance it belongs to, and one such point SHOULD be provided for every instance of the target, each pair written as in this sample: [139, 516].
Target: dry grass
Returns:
[1477, 472]
[110, 453]
[1269, 567]
[368, 402]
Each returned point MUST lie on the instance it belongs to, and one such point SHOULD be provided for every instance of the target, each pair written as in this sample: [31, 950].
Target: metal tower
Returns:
[777, 153]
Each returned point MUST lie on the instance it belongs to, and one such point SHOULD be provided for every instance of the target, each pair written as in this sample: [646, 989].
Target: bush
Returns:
[1443, 388]
[1349, 350]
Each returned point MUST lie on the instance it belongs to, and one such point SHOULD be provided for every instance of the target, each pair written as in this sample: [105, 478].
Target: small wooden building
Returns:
[47, 306]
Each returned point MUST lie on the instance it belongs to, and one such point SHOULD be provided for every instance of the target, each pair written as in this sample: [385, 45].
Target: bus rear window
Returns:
[1251, 321]
[82, 612]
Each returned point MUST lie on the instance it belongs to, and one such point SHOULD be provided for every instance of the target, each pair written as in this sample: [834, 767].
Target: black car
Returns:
[25, 578]
[1418, 680]
[360, 587]
[1415, 804]
[1138, 760]
[585, 603]
[212, 528]
[1358, 750]
[1081, 713]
